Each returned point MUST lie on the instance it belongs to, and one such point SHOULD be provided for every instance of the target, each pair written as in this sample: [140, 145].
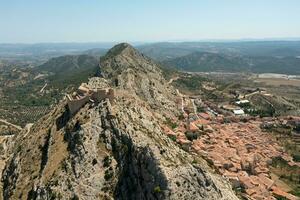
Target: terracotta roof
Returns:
[183, 141]
[204, 115]
[266, 181]
[168, 131]
[237, 147]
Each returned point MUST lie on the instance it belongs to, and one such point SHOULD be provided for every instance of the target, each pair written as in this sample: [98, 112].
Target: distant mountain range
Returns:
[159, 51]
[236, 56]
[205, 62]
[166, 51]
[257, 57]
[254, 56]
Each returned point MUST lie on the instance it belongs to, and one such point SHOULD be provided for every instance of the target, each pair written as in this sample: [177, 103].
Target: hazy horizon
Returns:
[292, 39]
[56, 21]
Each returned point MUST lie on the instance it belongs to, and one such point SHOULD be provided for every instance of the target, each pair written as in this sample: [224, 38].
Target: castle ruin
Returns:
[85, 94]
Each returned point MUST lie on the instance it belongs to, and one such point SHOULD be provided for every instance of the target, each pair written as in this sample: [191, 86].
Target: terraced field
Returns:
[21, 115]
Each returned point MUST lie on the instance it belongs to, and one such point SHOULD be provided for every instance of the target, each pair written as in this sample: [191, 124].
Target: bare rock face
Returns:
[108, 151]
[131, 71]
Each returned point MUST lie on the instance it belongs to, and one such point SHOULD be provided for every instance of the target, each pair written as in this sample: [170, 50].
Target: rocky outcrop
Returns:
[4, 154]
[110, 151]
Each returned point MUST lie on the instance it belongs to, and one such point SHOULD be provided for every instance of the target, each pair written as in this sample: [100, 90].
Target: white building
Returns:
[238, 112]
[242, 102]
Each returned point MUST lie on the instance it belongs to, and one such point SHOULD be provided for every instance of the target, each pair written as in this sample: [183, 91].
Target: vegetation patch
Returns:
[288, 174]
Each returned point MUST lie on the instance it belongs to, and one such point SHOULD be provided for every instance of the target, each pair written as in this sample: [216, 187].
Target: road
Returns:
[181, 96]
[195, 107]
[253, 93]
[28, 127]
[43, 88]
[173, 79]
[10, 124]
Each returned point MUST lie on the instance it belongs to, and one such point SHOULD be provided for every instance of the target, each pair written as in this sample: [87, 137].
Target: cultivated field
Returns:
[278, 81]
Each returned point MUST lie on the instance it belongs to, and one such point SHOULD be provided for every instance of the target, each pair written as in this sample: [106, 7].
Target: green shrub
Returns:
[170, 123]
[172, 137]
[108, 175]
[296, 158]
[157, 189]
[106, 161]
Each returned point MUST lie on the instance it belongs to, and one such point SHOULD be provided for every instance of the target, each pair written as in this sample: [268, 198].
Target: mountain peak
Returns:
[122, 49]
[123, 57]
[123, 45]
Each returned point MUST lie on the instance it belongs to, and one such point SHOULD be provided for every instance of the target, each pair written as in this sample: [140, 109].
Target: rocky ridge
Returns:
[111, 151]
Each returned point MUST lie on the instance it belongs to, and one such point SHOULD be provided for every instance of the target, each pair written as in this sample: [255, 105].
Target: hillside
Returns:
[66, 64]
[206, 62]
[114, 149]
[71, 68]
[28, 93]
[281, 65]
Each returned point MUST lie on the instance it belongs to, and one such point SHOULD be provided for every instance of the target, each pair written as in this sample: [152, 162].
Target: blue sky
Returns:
[32, 21]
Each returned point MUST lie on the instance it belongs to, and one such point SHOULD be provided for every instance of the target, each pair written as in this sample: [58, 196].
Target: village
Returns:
[241, 152]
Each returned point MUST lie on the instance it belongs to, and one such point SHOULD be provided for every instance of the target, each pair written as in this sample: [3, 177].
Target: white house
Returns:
[242, 102]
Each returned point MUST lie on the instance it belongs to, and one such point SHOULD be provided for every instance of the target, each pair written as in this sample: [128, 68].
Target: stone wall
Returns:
[100, 95]
[96, 95]
[76, 104]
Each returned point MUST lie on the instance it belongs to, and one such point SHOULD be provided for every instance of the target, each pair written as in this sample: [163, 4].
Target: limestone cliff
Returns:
[107, 151]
